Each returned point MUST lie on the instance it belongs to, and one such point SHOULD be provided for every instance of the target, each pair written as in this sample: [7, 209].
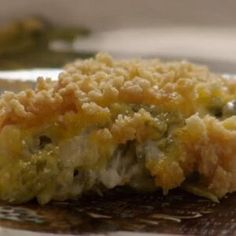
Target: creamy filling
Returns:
[83, 172]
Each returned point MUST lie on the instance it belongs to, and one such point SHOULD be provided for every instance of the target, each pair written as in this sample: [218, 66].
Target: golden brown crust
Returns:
[91, 86]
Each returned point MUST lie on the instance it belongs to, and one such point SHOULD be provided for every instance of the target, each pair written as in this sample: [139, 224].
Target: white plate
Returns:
[30, 75]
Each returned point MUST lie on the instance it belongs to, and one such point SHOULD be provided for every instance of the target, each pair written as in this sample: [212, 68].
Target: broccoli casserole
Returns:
[104, 123]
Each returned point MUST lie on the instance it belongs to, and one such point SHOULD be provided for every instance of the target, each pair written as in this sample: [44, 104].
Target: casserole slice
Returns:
[105, 123]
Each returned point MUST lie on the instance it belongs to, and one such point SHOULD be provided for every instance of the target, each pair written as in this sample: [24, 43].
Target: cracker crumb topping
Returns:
[91, 86]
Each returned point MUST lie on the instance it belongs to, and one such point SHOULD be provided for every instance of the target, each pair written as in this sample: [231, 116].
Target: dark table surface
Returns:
[126, 210]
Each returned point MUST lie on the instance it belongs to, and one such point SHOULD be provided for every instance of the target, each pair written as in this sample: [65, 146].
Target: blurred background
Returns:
[49, 33]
